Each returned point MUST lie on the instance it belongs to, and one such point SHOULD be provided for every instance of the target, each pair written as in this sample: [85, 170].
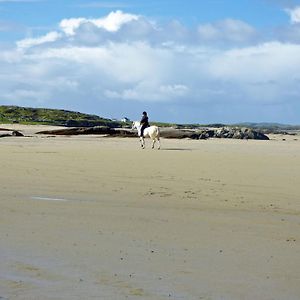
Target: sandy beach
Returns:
[88, 217]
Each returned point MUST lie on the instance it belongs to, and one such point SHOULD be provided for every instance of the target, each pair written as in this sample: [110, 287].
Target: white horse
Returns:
[152, 132]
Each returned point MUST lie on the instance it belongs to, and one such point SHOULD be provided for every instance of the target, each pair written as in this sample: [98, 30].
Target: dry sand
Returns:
[87, 217]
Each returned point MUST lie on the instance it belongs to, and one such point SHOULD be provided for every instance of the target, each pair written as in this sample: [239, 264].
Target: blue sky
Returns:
[182, 61]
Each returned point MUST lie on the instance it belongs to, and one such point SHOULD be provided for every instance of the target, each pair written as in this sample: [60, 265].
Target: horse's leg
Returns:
[152, 137]
[158, 142]
[142, 142]
[153, 142]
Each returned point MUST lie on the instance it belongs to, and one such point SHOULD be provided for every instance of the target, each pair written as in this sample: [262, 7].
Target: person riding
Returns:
[144, 123]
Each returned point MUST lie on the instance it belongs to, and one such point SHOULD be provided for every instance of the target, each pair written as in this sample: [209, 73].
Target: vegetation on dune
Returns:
[28, 115]
[271, 127]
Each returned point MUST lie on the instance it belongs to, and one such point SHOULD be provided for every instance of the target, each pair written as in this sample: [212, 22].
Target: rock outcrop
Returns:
[240, 133]
[5, 135]
[101, 130]
[225, 132]
[17, 133]
[13, 133]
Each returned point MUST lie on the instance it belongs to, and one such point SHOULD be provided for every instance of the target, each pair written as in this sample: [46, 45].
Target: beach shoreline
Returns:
[86, 217]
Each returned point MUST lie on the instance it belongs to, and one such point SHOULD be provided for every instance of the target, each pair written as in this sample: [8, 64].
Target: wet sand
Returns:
[88, 217]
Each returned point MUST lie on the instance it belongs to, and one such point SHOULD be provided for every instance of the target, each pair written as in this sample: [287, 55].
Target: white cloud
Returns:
[30, 42]
[150, 91]
[112, 22]
[148, 66]
[294, 14]
[125, 28]
[174, 89]
[70, 25]
[227, 30]
[273, 61]
[139, 71]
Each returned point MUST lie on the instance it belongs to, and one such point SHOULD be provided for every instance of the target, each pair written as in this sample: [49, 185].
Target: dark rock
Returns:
[17, 133]
[170, 133]
[240, 133]
[101, 130]
[205, 134]
[5, 135]
[5, 129]
[78, 130]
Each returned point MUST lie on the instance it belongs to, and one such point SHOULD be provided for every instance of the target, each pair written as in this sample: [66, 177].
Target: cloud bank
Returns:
[122, 64]
[294, 14]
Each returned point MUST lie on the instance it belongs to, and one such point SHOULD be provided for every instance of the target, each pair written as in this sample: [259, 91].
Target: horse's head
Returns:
[136, 125]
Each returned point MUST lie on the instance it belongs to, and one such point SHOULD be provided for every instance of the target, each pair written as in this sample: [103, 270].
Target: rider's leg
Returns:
[142, 131]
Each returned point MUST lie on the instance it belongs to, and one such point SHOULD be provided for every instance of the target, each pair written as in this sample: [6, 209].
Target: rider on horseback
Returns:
[144, 123]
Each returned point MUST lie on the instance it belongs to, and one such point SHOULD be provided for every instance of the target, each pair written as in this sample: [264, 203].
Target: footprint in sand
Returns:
[158, 193]
[291, 239]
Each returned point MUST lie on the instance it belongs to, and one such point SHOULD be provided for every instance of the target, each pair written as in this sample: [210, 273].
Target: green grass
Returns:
[28, 115]
[45, 116]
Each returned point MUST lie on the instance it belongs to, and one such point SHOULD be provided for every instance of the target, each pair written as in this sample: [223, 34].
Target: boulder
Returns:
[17, 133]
[13, 133]
[240, 133]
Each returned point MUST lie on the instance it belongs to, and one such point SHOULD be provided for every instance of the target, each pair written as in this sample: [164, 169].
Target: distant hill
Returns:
[264, 127]
[268, 126]
[60, 117]
[28, 115]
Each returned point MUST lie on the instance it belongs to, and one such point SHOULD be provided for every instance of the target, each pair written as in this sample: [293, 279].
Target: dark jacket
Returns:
[145, 122]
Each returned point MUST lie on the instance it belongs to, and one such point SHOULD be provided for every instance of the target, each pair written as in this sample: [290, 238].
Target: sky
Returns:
[192, 61]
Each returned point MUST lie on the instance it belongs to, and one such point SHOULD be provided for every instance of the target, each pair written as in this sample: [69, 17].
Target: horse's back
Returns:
[157, 131]
[153, 131]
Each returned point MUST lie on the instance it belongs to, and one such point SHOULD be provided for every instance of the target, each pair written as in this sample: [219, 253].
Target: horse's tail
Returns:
[157, 132]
